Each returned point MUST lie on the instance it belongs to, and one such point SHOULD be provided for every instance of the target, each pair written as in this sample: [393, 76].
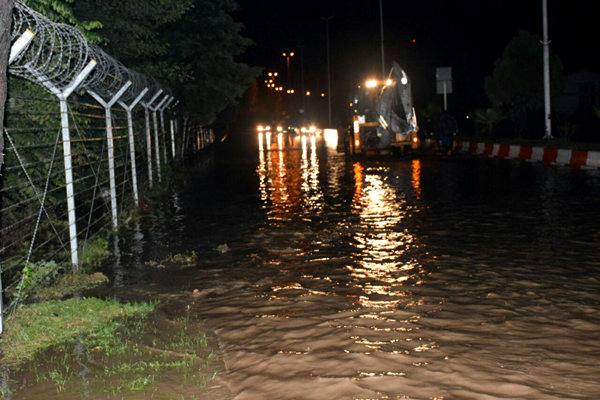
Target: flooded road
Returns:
[327, 278]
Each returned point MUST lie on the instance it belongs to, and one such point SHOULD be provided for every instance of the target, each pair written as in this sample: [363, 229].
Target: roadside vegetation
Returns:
[125, 349]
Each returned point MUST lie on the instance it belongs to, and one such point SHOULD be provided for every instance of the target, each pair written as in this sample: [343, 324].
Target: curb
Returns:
[547, 155]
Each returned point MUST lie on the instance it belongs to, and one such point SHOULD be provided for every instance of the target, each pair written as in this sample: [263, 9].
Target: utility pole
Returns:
[382, 39]
[327, 19]
[546, 43]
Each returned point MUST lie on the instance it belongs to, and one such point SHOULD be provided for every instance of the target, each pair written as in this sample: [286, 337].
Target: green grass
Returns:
[69, 285]
[35, 328]
[93, 253]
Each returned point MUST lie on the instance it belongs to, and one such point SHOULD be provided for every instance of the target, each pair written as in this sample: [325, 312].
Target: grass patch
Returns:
[37, 327]
[69, 285]
[133, 356]
[93, 253]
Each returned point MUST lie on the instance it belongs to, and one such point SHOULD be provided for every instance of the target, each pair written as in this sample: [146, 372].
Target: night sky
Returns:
[468, 35]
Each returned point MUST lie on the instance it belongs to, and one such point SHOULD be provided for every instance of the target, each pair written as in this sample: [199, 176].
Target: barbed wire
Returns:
[59, 52]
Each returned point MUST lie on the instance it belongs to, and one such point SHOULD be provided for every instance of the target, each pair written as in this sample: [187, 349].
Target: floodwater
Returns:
[417, 278]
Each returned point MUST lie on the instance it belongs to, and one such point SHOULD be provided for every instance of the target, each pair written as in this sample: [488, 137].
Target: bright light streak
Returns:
[371, 83]
[260, 128]
[267, 128]
[356, 125]
[356, 143]
[389, 82]
[312, 129]
[279, 129]
[415, 139]
[303, 129]
[331, 138]
[268, 136]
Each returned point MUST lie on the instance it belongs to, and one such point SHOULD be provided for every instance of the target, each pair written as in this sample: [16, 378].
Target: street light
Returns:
[382, 42]
[308, 92]
[327, 19]
[546, 43]
[288, 57]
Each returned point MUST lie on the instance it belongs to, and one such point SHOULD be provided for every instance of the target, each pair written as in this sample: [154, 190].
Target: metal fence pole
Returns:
[173, 139]
[156, 142]
[185, 138]
[68, 163]
[162, 126]
[110, 147]
[147, 107]
[129, 109]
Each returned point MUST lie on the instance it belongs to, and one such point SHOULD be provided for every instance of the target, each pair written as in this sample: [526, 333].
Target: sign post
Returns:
[443, 76]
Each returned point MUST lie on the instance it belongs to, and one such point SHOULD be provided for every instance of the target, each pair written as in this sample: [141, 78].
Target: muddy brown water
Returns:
[421, 278]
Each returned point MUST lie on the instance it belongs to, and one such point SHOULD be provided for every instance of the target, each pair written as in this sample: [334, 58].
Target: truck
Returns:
[383, 117]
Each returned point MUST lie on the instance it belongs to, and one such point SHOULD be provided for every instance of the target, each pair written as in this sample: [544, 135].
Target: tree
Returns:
[207, 42]
[190, 45]
[516, 84]
[487, 120]
[62, 11]
[6, 8]
[133, 29]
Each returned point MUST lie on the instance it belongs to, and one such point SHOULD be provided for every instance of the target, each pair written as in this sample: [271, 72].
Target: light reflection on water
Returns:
[414, 278]
[389, 279]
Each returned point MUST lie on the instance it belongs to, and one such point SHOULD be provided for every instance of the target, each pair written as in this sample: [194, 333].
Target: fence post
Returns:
[173, 138]
[162, 126]
[156, 143]
[110, 146]
[66, 139]
[129, 109]
[147, 107]
[185, 138]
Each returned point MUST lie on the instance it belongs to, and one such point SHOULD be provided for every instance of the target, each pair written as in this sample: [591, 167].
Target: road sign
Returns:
[443, 77]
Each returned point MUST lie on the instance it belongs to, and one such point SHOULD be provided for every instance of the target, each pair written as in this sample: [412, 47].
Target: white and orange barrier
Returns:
[547, 155]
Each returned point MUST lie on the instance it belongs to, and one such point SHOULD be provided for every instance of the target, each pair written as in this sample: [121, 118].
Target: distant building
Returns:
[581, 93]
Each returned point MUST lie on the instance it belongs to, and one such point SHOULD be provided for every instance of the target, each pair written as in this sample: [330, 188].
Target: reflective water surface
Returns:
[419, 278]
[415, 278]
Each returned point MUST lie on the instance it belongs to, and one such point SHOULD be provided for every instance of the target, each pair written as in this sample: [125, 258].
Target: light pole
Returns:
[382, 41]
[327, 19]
[546, 43]
[288, 57]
